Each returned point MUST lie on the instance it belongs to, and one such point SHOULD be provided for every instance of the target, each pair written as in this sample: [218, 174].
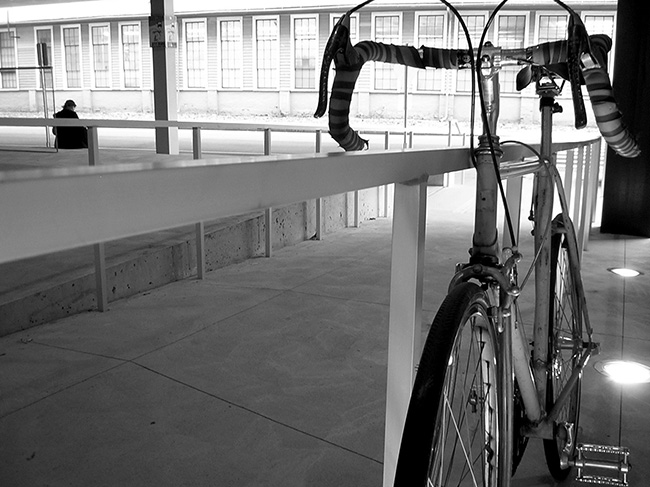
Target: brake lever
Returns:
[576, 46]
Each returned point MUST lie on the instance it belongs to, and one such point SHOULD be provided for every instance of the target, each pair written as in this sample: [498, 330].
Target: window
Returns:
[231, 49]
[305, 52]
[354, 39]
[101, 43]
[552, 28]
[387, 30]
[130, 39]
[8, 58]
[511, 34]
[430, 33]
[195, 54]
[267, 52]
[600, 24]
[475, 25]
[72, 56]
[354, 29]
[44, 36]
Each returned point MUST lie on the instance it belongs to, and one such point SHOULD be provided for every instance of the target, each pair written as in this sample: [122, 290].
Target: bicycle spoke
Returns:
[458, 436]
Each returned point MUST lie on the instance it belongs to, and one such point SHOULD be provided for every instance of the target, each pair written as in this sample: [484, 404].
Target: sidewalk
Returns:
[273, 371]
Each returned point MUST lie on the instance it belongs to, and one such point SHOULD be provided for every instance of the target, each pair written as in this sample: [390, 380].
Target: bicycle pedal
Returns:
[602, 458]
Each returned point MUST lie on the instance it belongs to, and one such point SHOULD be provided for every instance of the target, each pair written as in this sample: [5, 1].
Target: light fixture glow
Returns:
[623, 272]
[623, 371]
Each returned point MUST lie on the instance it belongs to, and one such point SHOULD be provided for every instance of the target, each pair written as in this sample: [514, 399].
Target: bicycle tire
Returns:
[457, 373]
[564, 350]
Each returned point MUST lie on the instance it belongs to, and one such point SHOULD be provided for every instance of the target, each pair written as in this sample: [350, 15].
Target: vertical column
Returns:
[577, 197]
[568, 176]
[319, 201]
[268, 236]
[93, 146]
[164, 41]
[405, 315]
[587, 197]
[199, 229]
[197, 151]
[101, 288]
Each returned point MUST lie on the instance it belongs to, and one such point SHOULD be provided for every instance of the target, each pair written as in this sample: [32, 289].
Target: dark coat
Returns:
[70, 137]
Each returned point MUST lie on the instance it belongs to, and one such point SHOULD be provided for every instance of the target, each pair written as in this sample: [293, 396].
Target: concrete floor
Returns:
[273, 371]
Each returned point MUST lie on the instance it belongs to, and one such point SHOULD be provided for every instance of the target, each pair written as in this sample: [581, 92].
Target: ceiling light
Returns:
[623, 272]
[624, 371]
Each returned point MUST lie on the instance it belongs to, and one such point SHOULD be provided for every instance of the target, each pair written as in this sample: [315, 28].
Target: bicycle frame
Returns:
[575, 61]
[514, 352]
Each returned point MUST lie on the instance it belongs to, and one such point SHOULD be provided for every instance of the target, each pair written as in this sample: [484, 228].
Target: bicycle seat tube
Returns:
[485, 244]
[543, 211]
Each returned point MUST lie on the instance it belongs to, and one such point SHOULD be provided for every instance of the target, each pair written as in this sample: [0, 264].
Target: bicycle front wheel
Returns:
[565, 345]
[451, 434]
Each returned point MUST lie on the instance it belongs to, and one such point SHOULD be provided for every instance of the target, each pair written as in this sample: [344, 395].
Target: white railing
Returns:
[453, 133]
[49, 210]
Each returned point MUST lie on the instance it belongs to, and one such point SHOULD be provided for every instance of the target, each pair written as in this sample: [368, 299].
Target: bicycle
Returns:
[481, 389]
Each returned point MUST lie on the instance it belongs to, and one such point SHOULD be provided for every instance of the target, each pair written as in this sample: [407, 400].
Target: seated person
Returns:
[70, 137]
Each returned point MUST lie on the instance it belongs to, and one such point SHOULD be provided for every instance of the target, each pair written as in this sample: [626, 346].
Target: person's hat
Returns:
[69, 102]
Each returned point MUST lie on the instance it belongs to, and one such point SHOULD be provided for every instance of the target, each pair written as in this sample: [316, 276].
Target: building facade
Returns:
[253, 58]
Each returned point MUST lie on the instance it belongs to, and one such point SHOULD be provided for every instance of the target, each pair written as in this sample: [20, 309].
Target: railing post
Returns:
[196, 143]
[319, 136]
[319, 201]
[93, 146]
[585, 216]
[268, 217]
[575, 211]
[200, 250]
[568, 175]
[595, 178]
[267, 142]
[268, 213]
[449, 141]
[101, 288]
[386, 147]
[319, 218]
[405, 314]
[199, 227]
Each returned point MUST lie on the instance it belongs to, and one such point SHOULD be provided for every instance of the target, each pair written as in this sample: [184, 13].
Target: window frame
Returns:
[354, 39]
[64, 69]
[276, 43]
[14, 36]
[316, 41]
[120, 36]
[457, 32]
[93, 75]
[399, 84]
[445, 45]
[239, 55]
[204, 54]
[50, 54]
[525, 42]
[547, 13]
[334, 17]
[604, 13]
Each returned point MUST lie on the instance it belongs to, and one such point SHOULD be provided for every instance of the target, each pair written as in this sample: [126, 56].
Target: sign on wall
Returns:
[162, 31]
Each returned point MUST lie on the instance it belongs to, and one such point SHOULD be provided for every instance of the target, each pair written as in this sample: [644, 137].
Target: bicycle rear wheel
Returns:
[451, 433]
[565, 347]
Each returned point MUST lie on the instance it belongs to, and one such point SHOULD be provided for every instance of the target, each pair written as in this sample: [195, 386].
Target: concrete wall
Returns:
[155, 260]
